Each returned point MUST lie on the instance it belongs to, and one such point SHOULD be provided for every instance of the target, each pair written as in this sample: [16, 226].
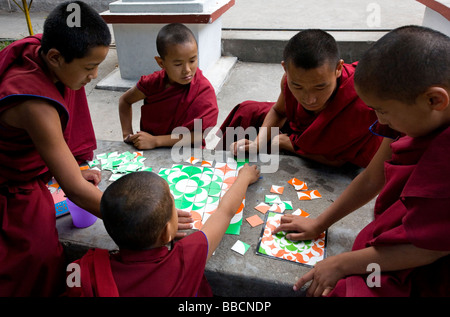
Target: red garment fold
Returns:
[157, 272]
[412, 208]
[339, 132]
[96, 276]
[31, 257]
[166, 108]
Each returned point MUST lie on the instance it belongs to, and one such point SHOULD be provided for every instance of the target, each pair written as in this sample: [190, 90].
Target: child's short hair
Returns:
[135, 208]
[174, 33]
[310, 49]
[74, 41]
[404, 63]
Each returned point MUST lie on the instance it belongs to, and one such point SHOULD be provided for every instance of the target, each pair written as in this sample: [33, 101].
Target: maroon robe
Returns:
[149, 273]
[31, 257]
[164, 109]
[413, 208]
[339, 132]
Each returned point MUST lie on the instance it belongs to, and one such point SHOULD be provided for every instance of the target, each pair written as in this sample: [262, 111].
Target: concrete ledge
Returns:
[160, 18]
[266, 46]
[114, 82]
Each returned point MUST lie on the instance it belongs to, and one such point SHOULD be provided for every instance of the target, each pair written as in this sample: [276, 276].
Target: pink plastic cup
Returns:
[80, 217]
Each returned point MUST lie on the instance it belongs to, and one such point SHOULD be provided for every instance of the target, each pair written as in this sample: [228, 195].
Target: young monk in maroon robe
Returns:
[142, 223]
[318, 111]
[46, 128]
[173, 97]
[408, 241]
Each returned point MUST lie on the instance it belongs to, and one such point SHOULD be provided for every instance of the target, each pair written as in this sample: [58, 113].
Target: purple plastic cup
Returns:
[80, 217]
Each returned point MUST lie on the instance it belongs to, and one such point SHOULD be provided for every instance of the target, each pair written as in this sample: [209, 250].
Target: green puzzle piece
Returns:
[214, 189]
[197, 189]
[192, 170]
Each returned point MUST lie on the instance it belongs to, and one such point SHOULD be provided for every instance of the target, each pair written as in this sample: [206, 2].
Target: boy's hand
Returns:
[185, 221]
[126, 139]
[143, 140]
[243, 145]
[324, 277]
[303, 228]
[92, 176]
[249, 172]
[282, 142]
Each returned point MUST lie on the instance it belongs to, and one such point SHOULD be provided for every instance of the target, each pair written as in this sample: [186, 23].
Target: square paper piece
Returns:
[262, 207]
[254, 220]
[307, 252]
[309, 195]
[240, 247]
[298, 184]
[277, 189]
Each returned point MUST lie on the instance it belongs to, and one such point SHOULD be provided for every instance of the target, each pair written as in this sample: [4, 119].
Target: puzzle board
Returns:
[199, 188]
[196, 186]
[59, 198]
[307, 252]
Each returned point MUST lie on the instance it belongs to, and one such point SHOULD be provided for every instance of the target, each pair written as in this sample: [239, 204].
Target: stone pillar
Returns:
[136, 24]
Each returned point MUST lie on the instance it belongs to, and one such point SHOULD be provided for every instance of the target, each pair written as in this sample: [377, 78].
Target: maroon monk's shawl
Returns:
[413, 207]
[31, 257]
[157, 272]
[339, 132]
[166, 108]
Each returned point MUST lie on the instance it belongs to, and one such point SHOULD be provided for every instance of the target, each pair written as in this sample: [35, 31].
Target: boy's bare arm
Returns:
[42, 122]
[218, 222]
[360, 191]
[328, 272]
[276, 117]
[126, 101]
[146, 141]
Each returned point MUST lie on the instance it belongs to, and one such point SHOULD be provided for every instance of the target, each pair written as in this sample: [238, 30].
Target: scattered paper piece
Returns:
[254, 220]
[277, 189]
[93, 162]
[298, 184]
[207, 163]
[273, 199]
[300, 212]
[240, 247]
[192, 160]
[280, 208]
[309, 195]
[287, 205]
[262, 207]
[120, 163]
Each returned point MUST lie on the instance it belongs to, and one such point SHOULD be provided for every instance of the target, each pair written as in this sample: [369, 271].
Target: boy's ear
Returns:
[339, 68]
[284, 65]
[169, 231]
[437, 98]
[54, 57]
[165, 235]
[160, 61]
